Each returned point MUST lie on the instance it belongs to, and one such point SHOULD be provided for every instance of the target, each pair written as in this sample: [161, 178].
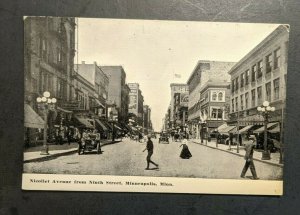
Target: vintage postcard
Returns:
[154, 106]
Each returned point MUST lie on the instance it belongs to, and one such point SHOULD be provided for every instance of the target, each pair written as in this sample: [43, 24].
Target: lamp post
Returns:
[45, 103]
[266, 109]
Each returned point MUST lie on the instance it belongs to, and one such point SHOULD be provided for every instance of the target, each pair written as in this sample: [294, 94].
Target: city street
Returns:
[127, 159]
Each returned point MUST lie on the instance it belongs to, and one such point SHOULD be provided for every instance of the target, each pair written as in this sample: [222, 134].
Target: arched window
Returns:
[220, 96]
[214, 96]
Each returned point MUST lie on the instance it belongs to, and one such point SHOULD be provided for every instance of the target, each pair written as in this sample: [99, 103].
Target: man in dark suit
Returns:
[249, 147]
[149, 147]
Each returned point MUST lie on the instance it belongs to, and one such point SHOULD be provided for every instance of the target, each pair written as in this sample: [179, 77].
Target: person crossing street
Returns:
[149, 148]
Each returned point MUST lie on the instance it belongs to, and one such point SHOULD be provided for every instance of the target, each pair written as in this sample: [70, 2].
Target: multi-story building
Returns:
[147, 119]
[204, 71]
[214, 101]
[91, 88]
[179, 99]
[260, 76]
[49, 49]
[136, 102]
[118, 90]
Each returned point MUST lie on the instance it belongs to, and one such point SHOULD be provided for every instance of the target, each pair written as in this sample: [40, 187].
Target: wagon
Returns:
[163, 138]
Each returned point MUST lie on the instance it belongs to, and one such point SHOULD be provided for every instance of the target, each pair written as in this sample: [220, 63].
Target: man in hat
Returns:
[249, 147]
[149, 147]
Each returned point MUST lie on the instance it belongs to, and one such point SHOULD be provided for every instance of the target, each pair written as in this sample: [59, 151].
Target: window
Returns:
[216, 113]
[242, 79]
[242, 102]
[247, 77]
[232, 86]
[276, 89]
[232, 105]
[246, 100]
[268, 91]
[253, 75]
[259, 96]
[44, 49]
[236, 103]
[220, 96]
[259, 69]
[277, 58]
[269, 63]
[253, 98]
[236, 83]
[214, 96]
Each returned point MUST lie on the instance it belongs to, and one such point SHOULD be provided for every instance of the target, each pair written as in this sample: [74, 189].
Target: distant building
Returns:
[178, 104]
[214, 103]
[118, 90]
[147, 119]
[204, 71]
[136, 102]
[260, 76]
[91, 88]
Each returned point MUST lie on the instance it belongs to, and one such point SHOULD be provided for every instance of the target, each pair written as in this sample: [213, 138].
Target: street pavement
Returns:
[127, 159]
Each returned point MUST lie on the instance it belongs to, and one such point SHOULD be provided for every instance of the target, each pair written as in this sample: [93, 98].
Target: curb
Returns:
[50, 157]
[263, 161]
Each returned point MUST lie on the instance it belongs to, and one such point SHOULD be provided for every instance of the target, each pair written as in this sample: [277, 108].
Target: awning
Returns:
[245, 129]
[99, 103]
[275, 130]
[32, 119]
[222, 126]
[84, 122]
[101, 125]
[227, 129]
[64, 110]
[269, 126]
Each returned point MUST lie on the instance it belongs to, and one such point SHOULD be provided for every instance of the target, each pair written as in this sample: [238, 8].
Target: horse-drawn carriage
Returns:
[89, 142]
[163, 138]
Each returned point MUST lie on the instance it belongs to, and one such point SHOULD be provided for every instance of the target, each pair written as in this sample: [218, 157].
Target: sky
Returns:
[153, 51]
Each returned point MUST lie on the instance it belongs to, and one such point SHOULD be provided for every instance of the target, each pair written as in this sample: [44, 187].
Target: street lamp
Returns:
[44, 104]
[266, 109]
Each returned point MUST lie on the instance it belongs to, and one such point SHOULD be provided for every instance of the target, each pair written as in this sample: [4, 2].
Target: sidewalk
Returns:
[33, 154]
[256, 155]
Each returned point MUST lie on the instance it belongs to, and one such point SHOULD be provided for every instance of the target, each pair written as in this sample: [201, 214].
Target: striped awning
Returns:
[227, 129]
[101, 125]
[269, 127]
[245, 129]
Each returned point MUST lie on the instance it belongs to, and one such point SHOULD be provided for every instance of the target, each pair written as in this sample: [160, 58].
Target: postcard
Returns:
[120, 105]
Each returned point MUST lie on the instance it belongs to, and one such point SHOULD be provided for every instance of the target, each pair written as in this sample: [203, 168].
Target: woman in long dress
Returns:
[185, 152]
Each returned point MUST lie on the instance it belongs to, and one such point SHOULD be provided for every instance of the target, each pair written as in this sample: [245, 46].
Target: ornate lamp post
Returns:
[266, 109]
[45, 103]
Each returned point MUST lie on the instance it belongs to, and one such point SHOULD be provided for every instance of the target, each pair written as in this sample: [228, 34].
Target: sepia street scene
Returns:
[154, 98]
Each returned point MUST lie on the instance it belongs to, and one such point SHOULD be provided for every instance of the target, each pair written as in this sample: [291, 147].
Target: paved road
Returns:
[127, 158]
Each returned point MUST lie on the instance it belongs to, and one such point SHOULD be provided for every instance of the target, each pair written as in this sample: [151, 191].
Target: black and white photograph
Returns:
[133, 105]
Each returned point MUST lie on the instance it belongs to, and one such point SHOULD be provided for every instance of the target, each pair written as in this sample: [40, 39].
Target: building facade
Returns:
[204, 71]
[260, 76]
[118, 90]
[136, 103]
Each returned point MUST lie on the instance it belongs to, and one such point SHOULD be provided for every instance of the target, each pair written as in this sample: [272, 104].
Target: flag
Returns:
[177, 75]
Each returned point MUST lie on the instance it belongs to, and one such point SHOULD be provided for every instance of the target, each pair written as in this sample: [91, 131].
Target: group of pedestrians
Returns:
[249, 144]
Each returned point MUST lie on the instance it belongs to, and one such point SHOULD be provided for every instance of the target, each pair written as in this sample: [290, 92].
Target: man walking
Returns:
[149, 147]
[249, 147]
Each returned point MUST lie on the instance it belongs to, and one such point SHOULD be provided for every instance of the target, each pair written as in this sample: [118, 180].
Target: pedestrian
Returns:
[249, 147]
[185, 152]
[149, 147]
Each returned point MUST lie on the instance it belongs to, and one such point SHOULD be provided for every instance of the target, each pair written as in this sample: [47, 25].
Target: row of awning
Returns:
[272, 127]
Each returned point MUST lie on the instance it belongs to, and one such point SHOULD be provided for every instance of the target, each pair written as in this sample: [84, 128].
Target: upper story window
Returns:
[214, 96]
[277, 58]
[232, 86]
[242, 79]
[242, 102]
[259, 95]
[268, 91]
[253, 98]
[247, 77]
[237, 83]
[268, 63]
[253, 73]
[276, 88]
[232, 105]
[246, 100]
[220, 96]
[259, 69]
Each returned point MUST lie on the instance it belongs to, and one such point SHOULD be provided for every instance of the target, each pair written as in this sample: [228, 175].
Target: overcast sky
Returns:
[152, 51]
